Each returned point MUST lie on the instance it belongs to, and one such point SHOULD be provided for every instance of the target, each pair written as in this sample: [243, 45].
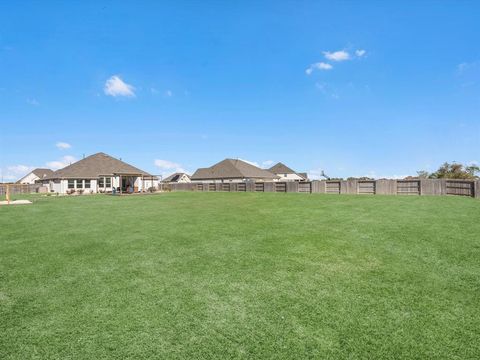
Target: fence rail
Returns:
[373, 187]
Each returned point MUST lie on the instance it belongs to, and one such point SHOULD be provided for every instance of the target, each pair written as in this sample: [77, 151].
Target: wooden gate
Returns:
[366, 187]
[260, 187]
[459, 187]
[332, 187]
[280, 187]
[305, 187]
[408, 187]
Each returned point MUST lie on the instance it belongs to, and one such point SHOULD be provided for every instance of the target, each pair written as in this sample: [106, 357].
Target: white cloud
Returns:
[327, 90]
[168, 167]
[168, 93]
[468, 68]
[267, 163]
[318, 66]
[360, 52]
[315, 174]
[20, 169]
[6, 177]
[59, 164]
[115, 86]
[33, 102]
[15, 172]
[340, 55]
[63, 145]
[461, 67]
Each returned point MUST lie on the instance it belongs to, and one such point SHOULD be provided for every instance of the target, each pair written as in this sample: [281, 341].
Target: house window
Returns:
[87, 184]
[79, 184]
[71, 184]
[108, 182]
[101, 182]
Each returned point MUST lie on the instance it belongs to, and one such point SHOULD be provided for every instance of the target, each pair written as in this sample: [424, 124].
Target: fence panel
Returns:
[433, 187]
[20, 188]
[379, 187]
[305, 187]
[332, 187]
[291, 186]
[459, 187]
[408, 187]
[280, 187]
[366, 187]
[268, 187]
[260, 187]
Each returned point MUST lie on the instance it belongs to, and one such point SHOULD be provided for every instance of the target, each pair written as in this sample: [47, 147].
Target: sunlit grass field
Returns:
[240, 275]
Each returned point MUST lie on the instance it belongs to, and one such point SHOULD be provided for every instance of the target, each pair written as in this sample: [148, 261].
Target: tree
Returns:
[472, 169]
[452, 171]
[422, 174]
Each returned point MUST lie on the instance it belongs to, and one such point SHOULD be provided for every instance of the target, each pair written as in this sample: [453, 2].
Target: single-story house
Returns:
[35, 176]
[177, 178]
[100, 173]
[232, 170]
[286, 174]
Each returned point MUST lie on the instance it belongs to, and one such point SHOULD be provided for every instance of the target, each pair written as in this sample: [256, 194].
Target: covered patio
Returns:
[128, 183]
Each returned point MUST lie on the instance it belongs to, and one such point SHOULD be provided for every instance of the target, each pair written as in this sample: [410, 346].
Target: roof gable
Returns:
[95, 165]
[232, 168]
[281, 169]
[175, 177]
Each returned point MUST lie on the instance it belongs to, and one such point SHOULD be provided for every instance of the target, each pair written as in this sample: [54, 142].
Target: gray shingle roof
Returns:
[281, 169]
[232, 169]
[95, 165]
[40, 172]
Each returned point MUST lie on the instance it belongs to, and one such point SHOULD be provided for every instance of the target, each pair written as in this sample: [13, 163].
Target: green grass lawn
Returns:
[240, 275]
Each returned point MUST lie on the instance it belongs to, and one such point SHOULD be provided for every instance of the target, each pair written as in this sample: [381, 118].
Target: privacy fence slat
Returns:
[364, 187]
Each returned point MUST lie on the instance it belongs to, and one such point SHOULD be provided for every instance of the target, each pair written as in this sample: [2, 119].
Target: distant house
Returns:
[286, 174]
[99, 173]
[35, 176]
[232, 170]
[177, 178]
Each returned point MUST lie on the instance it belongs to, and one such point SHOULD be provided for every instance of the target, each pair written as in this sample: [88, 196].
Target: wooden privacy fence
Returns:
[19, 188]
[368, 187]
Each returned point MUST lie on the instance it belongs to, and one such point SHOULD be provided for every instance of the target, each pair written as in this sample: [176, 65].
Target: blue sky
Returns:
[353, 88]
